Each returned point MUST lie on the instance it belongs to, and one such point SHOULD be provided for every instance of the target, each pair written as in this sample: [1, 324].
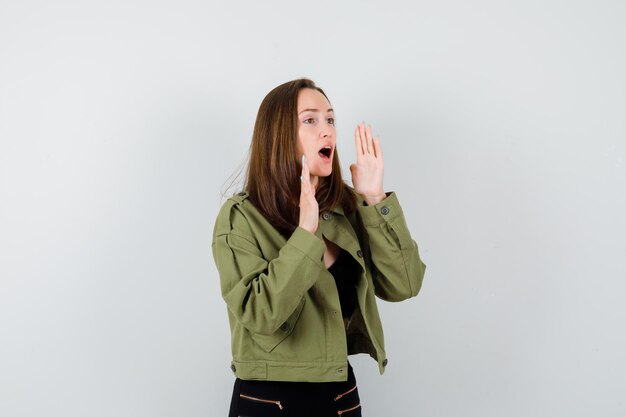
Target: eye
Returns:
[331, 120]
[309, 120]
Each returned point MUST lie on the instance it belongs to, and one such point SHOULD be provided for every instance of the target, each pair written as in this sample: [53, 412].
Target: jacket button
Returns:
[359, 253]
[385, 362]
[285, 327]
[326, 216]
[385, 210]
[232, 367]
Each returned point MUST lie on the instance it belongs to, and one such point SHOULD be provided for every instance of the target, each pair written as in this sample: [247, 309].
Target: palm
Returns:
[367, 173]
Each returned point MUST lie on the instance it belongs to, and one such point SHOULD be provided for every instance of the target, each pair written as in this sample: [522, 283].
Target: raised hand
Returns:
[367, 173]
[309, 210]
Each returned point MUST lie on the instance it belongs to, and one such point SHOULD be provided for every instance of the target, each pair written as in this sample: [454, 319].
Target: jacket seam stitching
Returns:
[404, 261]
[244, 237]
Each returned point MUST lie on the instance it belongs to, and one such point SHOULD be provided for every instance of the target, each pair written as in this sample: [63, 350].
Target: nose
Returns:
[326, 131]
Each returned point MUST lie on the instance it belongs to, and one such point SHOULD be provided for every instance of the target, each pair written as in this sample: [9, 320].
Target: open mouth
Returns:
[326, 152]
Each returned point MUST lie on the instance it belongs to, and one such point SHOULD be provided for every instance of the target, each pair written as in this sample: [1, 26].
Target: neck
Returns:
[314, 180]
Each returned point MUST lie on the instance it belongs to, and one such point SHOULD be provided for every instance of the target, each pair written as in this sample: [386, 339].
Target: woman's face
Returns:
[316, 132]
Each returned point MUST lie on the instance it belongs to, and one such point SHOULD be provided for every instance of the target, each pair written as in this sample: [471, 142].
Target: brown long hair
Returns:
[273, 174]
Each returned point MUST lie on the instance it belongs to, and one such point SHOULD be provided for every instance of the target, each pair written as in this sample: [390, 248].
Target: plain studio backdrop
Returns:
[503, 126]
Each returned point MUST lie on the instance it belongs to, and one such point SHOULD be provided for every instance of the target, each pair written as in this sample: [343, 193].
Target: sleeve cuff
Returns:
[388, 209]
[307, 243]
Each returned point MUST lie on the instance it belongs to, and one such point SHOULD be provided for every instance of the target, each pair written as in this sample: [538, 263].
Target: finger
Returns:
[362, 137]
[305, 168]
[303, 188]
[304, 178]
[357, 143]
[377, 148]
[307, 178]
[368, 139]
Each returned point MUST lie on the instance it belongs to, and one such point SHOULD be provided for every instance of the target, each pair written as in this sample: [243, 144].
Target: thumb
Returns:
[353, 168]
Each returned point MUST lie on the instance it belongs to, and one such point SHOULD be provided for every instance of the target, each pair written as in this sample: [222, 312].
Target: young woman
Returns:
[302, 257]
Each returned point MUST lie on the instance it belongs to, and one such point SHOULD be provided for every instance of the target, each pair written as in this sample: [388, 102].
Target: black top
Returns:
[345, 272]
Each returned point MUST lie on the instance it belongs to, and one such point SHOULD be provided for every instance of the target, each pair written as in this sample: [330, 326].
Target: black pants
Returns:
[253, 398]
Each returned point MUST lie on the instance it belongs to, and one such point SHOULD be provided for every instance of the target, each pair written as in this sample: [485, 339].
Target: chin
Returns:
[322, 173]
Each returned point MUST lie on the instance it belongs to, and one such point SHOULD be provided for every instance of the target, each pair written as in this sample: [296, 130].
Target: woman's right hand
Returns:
[309, 210]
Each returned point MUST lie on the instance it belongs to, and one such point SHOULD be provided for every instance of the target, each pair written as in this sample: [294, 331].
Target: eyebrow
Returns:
[327, 111]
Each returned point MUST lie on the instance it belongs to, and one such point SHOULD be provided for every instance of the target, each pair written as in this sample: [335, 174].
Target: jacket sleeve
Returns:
[398, 271]
[261, 293]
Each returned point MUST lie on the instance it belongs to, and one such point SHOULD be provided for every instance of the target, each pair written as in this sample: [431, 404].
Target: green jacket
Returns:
[283, 307]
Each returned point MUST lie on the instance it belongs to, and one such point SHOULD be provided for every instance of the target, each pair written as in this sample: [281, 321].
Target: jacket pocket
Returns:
[258, 400]
[269, 342]
[348, 402]
[343, 394]
[355, 409]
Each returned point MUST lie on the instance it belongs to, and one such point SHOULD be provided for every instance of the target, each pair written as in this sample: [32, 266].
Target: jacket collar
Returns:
[338, 209]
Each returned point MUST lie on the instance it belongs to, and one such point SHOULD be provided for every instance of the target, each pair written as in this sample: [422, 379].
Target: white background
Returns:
[504, 134]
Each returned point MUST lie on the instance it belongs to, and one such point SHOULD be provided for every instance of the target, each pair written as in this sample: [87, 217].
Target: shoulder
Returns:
[233, 215]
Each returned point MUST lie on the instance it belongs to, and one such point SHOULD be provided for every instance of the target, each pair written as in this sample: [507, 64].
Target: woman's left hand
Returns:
[367, 173]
